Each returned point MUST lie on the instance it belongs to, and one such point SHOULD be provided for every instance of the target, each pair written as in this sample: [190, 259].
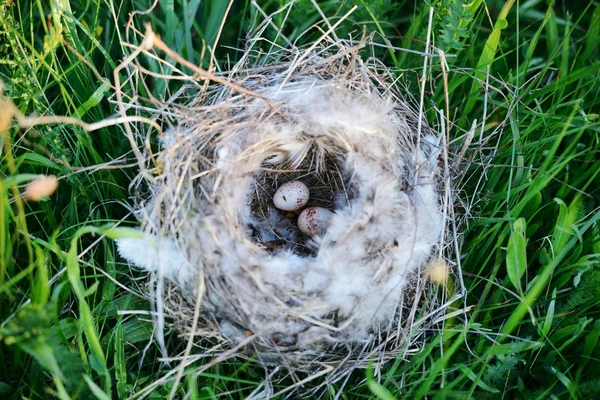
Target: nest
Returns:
[236, 274]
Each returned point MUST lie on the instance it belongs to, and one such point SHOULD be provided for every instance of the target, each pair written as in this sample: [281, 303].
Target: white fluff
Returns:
[158, 255]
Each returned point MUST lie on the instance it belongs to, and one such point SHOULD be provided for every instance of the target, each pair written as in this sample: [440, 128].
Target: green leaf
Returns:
[123, 232]
[41, 290]
[120, 365]
[93, 101]
[92, 289]
[583, 265]
[34, 158]
[566, 382]
[5, 389]
[501, 24]
[378, 390]
[86, 320]
[516, 256]
[549, 316]
[545, 274]
[591, 343]
[564, 59]
[514, 347]
[551, 31]
[593, 35]
[95, 389]
[532, 206]
[488, 55]
[544, 257]
[21, 178]
[577, 331]
[474, 378]
[567, 217]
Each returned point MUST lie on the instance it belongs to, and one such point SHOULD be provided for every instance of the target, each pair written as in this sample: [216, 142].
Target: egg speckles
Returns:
[291, 196]
[313, 221]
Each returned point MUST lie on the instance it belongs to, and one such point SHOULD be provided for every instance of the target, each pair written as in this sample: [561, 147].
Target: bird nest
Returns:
[235, 274]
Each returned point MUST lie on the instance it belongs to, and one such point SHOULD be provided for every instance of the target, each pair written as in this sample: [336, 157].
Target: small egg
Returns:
[313, 221]
[291, 196]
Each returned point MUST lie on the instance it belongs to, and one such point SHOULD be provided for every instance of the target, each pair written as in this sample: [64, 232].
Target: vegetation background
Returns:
[531, 252]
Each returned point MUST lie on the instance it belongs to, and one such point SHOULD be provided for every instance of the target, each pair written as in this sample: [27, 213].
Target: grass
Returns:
[531, 249]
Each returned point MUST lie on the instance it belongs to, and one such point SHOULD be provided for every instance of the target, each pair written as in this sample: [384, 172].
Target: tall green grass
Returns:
[531, 249]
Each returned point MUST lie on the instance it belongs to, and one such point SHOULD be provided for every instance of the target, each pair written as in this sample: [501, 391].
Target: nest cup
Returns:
[237, 272]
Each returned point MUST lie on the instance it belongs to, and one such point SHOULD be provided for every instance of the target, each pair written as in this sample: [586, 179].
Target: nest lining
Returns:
[210, 220]
[277, 230]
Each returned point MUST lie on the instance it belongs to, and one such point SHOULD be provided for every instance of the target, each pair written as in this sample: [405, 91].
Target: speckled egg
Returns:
[291, 196]
[313, 221]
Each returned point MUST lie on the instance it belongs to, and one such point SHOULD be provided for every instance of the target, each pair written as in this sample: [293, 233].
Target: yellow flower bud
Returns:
[41, 187]
[437, 271]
